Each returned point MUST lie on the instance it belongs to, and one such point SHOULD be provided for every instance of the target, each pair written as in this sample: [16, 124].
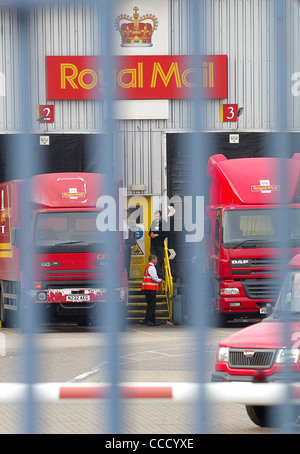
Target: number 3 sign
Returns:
[45, 114]
[228, 112]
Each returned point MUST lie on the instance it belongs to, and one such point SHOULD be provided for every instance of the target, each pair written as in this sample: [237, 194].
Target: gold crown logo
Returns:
[136, 30]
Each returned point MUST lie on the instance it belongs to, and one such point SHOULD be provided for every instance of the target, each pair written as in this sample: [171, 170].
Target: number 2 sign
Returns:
[228, 112]
[45, 114]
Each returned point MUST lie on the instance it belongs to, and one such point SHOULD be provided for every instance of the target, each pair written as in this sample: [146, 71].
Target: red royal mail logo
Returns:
[265, 188]
[138, 77]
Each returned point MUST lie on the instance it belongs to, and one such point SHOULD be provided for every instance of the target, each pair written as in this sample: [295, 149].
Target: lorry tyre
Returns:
[221, 319]
[123, 318]
[2, 310]
[268, 416]
[6, 316]
[212, 293]
[23, 321]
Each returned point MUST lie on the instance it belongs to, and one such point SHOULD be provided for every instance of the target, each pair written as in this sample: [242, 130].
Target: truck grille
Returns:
[274, 265]
[255, 359]
[272, 262]
[262, 288]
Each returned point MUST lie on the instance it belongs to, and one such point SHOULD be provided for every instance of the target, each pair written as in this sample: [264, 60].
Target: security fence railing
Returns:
[24, 16]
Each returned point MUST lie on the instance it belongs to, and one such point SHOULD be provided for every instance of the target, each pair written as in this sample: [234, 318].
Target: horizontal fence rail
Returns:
[239, 393]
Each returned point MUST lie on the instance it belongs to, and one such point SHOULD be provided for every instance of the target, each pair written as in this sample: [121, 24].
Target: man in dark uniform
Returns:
[158, 232]
[129, 240]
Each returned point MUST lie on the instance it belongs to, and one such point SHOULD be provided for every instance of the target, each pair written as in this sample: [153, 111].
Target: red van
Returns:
[268, 351]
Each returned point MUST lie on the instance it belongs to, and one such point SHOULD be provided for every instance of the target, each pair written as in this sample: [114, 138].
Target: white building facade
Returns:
[243, 31]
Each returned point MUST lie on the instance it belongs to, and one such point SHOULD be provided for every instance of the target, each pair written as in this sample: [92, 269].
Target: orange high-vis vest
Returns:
[148, 283]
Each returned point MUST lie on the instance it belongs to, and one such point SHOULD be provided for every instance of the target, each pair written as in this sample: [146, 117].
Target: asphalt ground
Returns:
[74, 354]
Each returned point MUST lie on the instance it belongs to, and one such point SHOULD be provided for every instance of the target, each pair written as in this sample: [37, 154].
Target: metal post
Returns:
[197, 148]
[111, 312]
[24, 146]
[280, 147]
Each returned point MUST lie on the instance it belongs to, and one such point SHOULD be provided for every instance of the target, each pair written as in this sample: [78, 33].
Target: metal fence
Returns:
[200, 393]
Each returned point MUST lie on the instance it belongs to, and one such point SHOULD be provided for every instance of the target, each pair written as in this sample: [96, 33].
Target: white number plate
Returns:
[263, 310]
[78, 297]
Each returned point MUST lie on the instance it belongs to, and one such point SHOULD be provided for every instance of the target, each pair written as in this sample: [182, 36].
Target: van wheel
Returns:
[269, 416]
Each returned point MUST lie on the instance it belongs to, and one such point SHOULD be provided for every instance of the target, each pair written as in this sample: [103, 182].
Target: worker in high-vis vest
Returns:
[150, 286]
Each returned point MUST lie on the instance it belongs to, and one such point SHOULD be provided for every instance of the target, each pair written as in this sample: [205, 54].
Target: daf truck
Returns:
[246, 255]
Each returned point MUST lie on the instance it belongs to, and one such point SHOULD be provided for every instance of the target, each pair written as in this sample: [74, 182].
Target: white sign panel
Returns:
[141, 28]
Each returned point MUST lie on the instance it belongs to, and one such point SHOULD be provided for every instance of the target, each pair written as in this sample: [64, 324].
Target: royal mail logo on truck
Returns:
[137, 77]
[265, 187]
[72, 192]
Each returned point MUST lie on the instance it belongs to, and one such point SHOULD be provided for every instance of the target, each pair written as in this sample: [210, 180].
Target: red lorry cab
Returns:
[244, 251]
[269, 350]
[69, 256]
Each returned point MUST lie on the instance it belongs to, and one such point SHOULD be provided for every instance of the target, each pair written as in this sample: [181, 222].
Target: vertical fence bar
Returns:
[24, 147]
[197, 146]
[281, 149]
[111, 313]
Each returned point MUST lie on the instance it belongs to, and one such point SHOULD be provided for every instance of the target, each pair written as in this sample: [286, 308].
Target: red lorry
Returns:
[267, 351]
[68, 254]
[244, 250]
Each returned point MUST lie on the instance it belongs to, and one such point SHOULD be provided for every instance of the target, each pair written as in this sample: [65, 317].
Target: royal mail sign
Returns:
[138, 77]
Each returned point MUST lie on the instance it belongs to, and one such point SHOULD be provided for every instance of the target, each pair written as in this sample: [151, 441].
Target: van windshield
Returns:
[257, 228]
[71, 231]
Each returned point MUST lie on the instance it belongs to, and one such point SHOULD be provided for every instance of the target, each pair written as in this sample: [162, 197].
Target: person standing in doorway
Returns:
[129, 240]
[150, 286]
[158, 233]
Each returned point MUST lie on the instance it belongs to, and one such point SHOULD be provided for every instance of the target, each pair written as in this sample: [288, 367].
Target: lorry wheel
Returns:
[268, 416]
[6, 316]
[2, 318]
[123, 318]
[85, 320]
[222, 319]
[215, 318]
[123, 322]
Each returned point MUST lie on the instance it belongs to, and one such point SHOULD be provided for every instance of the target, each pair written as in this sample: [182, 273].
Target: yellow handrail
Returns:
[168, 280]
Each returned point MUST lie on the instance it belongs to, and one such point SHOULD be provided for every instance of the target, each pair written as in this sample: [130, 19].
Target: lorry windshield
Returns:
[257, 228]
[289, 298]
[71, 231]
